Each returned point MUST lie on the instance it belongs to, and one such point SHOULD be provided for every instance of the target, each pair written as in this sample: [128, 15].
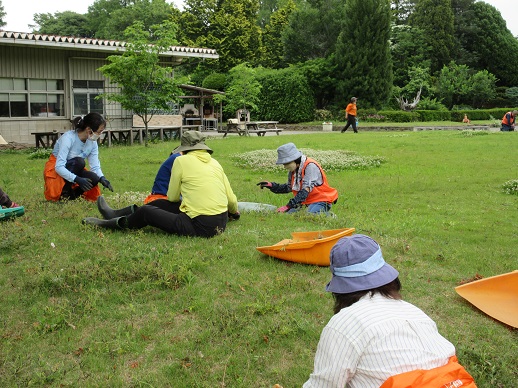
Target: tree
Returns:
[492, 44]
[234, 33]
[363, 64]
[483, 88]
[312, 31]
[458, 84]
[110, 18]
[435, 18]
[65, 23]
[2, 15]
[409, 48]
[242, 91]
[402, 10]
[146, 85]
[272, 36]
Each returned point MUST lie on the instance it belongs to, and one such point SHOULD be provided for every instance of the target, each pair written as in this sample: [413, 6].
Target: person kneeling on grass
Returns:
[306, 180]
[375, 339]
[65, 174]
[207, 203]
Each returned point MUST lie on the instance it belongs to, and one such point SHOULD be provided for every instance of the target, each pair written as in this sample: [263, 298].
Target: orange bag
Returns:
[54, 183]
[451, 375]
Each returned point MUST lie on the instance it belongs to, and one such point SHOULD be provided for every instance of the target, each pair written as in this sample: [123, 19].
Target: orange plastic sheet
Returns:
[307, 247]
[497, 296]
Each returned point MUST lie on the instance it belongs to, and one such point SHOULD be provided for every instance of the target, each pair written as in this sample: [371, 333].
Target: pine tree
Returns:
[436, 18]
[363, 64]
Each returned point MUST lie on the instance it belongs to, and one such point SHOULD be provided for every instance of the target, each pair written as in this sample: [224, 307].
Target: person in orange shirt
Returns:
[350, 116]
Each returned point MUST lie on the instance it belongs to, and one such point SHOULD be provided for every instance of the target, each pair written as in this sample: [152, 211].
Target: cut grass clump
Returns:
[336, 160]
[511, 187]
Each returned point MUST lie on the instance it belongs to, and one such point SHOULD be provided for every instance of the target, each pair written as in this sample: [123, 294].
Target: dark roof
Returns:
[70, 42]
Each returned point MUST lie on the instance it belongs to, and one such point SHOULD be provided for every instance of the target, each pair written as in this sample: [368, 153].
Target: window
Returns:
[85, 93]
[20, 97]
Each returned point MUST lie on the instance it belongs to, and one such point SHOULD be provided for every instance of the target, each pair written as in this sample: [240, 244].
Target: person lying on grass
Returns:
[375, 339]
[306, 180]
[207, 200]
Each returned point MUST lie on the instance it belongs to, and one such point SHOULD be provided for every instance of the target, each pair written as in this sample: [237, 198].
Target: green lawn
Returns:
[86, 307]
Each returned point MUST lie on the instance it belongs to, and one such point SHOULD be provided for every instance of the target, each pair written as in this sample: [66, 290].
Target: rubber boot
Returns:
[108, 213]
[114, 223]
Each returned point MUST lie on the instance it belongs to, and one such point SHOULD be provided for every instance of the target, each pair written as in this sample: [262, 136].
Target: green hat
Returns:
[192, 140]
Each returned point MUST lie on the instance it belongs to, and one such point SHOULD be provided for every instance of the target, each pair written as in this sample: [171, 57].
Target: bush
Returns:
[399, 116]
[323, 115]
[427, 103]
[433, 115]
[285, 96]
[215, 81]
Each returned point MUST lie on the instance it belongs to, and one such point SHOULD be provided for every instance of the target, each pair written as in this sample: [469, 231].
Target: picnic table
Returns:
[245, 129]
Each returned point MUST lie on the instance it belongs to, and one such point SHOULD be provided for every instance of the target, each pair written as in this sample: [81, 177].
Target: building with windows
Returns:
[47, 80]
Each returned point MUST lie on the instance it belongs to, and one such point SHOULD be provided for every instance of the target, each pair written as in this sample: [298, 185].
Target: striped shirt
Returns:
[373, 339]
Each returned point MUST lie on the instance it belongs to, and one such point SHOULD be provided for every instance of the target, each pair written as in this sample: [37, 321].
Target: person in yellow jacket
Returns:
[350, 116]
[207, 201]
[306, 180]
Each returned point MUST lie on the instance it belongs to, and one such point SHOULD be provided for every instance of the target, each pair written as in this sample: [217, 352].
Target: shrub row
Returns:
[432, 115]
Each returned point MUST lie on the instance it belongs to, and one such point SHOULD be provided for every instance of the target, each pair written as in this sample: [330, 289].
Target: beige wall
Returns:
[47, 63]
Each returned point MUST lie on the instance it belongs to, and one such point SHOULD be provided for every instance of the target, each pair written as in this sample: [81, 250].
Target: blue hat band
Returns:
[372, 264]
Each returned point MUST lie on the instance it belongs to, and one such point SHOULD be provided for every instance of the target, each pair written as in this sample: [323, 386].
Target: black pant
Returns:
[351, 120]
[166, 215]
[77, 166]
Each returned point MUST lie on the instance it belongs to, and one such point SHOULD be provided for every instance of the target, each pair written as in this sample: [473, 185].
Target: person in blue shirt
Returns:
[65, 174]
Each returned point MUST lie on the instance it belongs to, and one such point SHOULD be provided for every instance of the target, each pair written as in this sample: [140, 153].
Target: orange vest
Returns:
[54, 183]
[154, 197]
[451, 375]
[508, 119]
[322, 193]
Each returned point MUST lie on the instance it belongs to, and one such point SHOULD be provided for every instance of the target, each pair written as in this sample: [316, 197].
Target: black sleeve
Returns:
[279, 188]
[298, 199]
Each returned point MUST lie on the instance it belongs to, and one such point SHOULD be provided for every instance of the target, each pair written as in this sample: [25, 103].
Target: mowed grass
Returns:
[87, 307]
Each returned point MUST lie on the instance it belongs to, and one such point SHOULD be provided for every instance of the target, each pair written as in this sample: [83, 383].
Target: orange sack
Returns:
[54, 183]
[451, 375]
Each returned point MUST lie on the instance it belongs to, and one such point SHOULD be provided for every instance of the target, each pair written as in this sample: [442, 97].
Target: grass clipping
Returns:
[337, 160]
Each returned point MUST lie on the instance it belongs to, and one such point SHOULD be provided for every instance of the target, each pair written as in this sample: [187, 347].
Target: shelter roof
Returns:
[89, 44]
[199, 90]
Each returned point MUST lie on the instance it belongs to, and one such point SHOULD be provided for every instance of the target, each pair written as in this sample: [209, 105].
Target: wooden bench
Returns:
[46, 139]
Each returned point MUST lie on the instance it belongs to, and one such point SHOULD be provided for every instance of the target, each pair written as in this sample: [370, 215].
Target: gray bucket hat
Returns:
[192, 140]
[287, 153]
[358, 265]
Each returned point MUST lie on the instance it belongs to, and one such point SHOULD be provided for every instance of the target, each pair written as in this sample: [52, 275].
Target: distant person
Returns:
[162, 179]
[465, 120]
[350, 116]
[508, 121]
[207, 200]
[306, 180]
[375, 339]
[65, 174]
[5, 201]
